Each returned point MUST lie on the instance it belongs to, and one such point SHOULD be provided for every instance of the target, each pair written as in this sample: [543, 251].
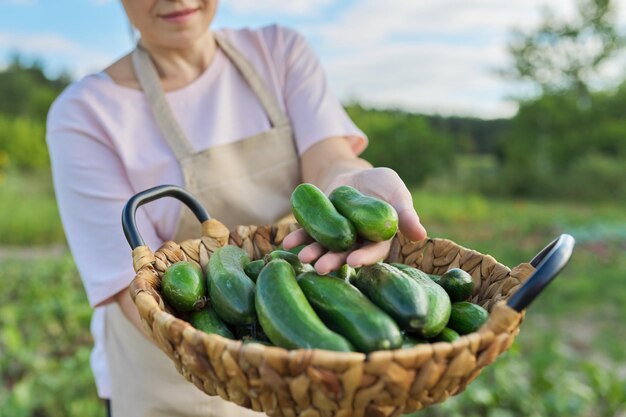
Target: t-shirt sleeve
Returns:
[313, 109]
[91, 188]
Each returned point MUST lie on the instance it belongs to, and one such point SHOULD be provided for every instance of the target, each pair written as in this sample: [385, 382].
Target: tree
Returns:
[567, 56]
[26, 94]
[26, 91]
[405, 142]
[569, 141]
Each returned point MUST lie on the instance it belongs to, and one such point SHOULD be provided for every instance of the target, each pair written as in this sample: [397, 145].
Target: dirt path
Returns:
[23, 253]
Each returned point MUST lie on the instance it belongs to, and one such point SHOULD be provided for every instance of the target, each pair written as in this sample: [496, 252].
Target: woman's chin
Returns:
[183, 39]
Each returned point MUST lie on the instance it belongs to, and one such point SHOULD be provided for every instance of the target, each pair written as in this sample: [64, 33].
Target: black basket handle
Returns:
[548, 263]
[130, 208]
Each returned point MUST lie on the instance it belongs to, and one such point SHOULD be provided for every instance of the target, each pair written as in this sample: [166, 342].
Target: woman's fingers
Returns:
[409, 224]
[323, 260]
[296, 238]
[310, 253]
[330, 261]
[408, 220]
[369, 253]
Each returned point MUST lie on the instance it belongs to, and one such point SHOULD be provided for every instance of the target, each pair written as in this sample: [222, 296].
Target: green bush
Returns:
[26, 94]
[558, 148]
[597, 177]
[26, 91]
[23, 143]
[404, 142]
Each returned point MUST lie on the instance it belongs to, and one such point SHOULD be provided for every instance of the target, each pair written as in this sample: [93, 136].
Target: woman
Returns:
[238, 117]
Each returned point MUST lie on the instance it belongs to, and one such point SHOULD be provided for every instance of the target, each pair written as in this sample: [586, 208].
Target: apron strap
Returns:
[151, 85]
[149, 82]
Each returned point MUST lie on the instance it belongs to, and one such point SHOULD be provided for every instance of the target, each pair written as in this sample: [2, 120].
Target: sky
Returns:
[436, 57]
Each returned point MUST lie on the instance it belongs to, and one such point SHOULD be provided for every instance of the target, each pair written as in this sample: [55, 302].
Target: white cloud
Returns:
[426, 80]
[429, 56]
[373, 20]
[56, 50]
[36, 43]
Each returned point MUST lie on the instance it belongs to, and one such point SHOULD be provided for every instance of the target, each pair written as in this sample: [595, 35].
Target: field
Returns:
[569, 359]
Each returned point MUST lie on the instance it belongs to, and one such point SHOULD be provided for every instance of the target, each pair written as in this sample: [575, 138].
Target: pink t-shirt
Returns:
[105, 147]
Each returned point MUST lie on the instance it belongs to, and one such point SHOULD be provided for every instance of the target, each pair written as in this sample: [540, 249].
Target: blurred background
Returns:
[506, 120]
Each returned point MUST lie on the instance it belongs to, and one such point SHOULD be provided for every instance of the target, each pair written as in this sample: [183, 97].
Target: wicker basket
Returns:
[310, 383]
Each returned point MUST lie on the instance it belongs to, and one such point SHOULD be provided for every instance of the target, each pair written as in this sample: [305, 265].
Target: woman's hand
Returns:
[382, 183]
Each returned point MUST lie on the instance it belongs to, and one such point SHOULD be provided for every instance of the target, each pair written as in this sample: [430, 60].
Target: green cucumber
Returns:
[345, 272]
[373, 218]
[438, 301]
[402, 297]
[446, 335]
[183, 286]
[319, 218]
[208, 321]
[345, 310]
[253, 269]
[292, 258]
[467, 317]
[297, 249]
[286, 316]
[435, 278]
[410, 340]
[458, 284]
[231, 291]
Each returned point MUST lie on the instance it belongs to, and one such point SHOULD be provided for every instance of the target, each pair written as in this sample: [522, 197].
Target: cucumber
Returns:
[297, 249]
[435, 278]
[458, 284]
[373, 218]
[253, 269]
[286, 316]
[438, 301]
[183, 286]
[402, 297]
[319, 218]
[231, 291]
[410, 340]
[345, 272]
[446, 335]
[292, 258]
[345, 310]
[467, 317]
[208, 321]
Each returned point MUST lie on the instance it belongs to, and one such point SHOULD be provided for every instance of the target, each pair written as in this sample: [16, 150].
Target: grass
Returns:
[28, 211]
[568, 359]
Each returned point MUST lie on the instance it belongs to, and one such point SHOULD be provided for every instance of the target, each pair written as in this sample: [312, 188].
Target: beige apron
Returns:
[246, 182]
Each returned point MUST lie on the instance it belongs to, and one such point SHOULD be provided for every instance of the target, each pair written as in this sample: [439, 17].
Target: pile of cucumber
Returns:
[278, 300]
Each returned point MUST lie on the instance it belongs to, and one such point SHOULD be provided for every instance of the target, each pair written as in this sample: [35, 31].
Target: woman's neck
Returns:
[178, 67]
